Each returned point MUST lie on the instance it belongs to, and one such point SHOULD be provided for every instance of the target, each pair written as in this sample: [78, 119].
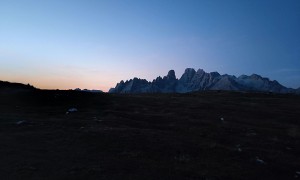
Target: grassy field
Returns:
[208, 135]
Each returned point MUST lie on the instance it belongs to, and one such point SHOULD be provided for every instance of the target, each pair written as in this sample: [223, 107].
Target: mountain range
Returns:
[199, 80]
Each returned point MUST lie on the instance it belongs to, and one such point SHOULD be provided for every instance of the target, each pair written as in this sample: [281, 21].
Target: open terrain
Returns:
[207, 135]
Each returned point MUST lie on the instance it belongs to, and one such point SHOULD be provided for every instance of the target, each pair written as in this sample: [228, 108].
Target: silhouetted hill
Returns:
[9, 87]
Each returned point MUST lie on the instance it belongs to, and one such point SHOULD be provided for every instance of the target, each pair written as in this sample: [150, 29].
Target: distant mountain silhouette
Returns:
[89, 90]
[9, 87]
[200, 80]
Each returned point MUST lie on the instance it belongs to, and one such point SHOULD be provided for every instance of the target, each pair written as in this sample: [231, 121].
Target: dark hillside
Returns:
[8, 87]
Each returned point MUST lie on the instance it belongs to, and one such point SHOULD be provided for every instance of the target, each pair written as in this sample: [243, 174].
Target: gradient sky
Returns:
[96, 43]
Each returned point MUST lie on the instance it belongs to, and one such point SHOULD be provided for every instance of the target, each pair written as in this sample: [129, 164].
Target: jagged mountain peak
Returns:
[188, 75]
[256, 76]
[214, 74]
[189, 70]
[200, 71]
[171, 75]
[159, 78]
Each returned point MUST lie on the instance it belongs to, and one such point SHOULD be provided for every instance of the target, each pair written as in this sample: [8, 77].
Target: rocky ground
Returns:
[208, 135]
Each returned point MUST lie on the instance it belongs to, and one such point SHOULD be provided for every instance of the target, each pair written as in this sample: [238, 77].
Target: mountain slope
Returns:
[199, 80]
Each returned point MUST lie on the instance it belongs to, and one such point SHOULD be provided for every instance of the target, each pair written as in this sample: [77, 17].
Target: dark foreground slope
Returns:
[158, 136]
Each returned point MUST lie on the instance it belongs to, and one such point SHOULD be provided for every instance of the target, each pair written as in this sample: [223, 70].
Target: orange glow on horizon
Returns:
[62, 84]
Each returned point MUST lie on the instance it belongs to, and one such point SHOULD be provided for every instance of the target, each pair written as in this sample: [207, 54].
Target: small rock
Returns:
[222, 119]
[260, 161]
[239, 149]
[21, 122]
[72, 110]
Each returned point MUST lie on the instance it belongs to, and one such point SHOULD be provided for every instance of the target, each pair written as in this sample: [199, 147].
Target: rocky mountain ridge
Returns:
[199, 80]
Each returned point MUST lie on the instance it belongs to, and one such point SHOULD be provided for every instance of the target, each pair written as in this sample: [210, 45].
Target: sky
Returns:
[93, 44]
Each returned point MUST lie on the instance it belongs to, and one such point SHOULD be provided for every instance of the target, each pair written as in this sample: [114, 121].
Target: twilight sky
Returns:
[96, 43]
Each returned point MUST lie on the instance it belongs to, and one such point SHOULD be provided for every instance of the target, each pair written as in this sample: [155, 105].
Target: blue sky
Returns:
[95, 44]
